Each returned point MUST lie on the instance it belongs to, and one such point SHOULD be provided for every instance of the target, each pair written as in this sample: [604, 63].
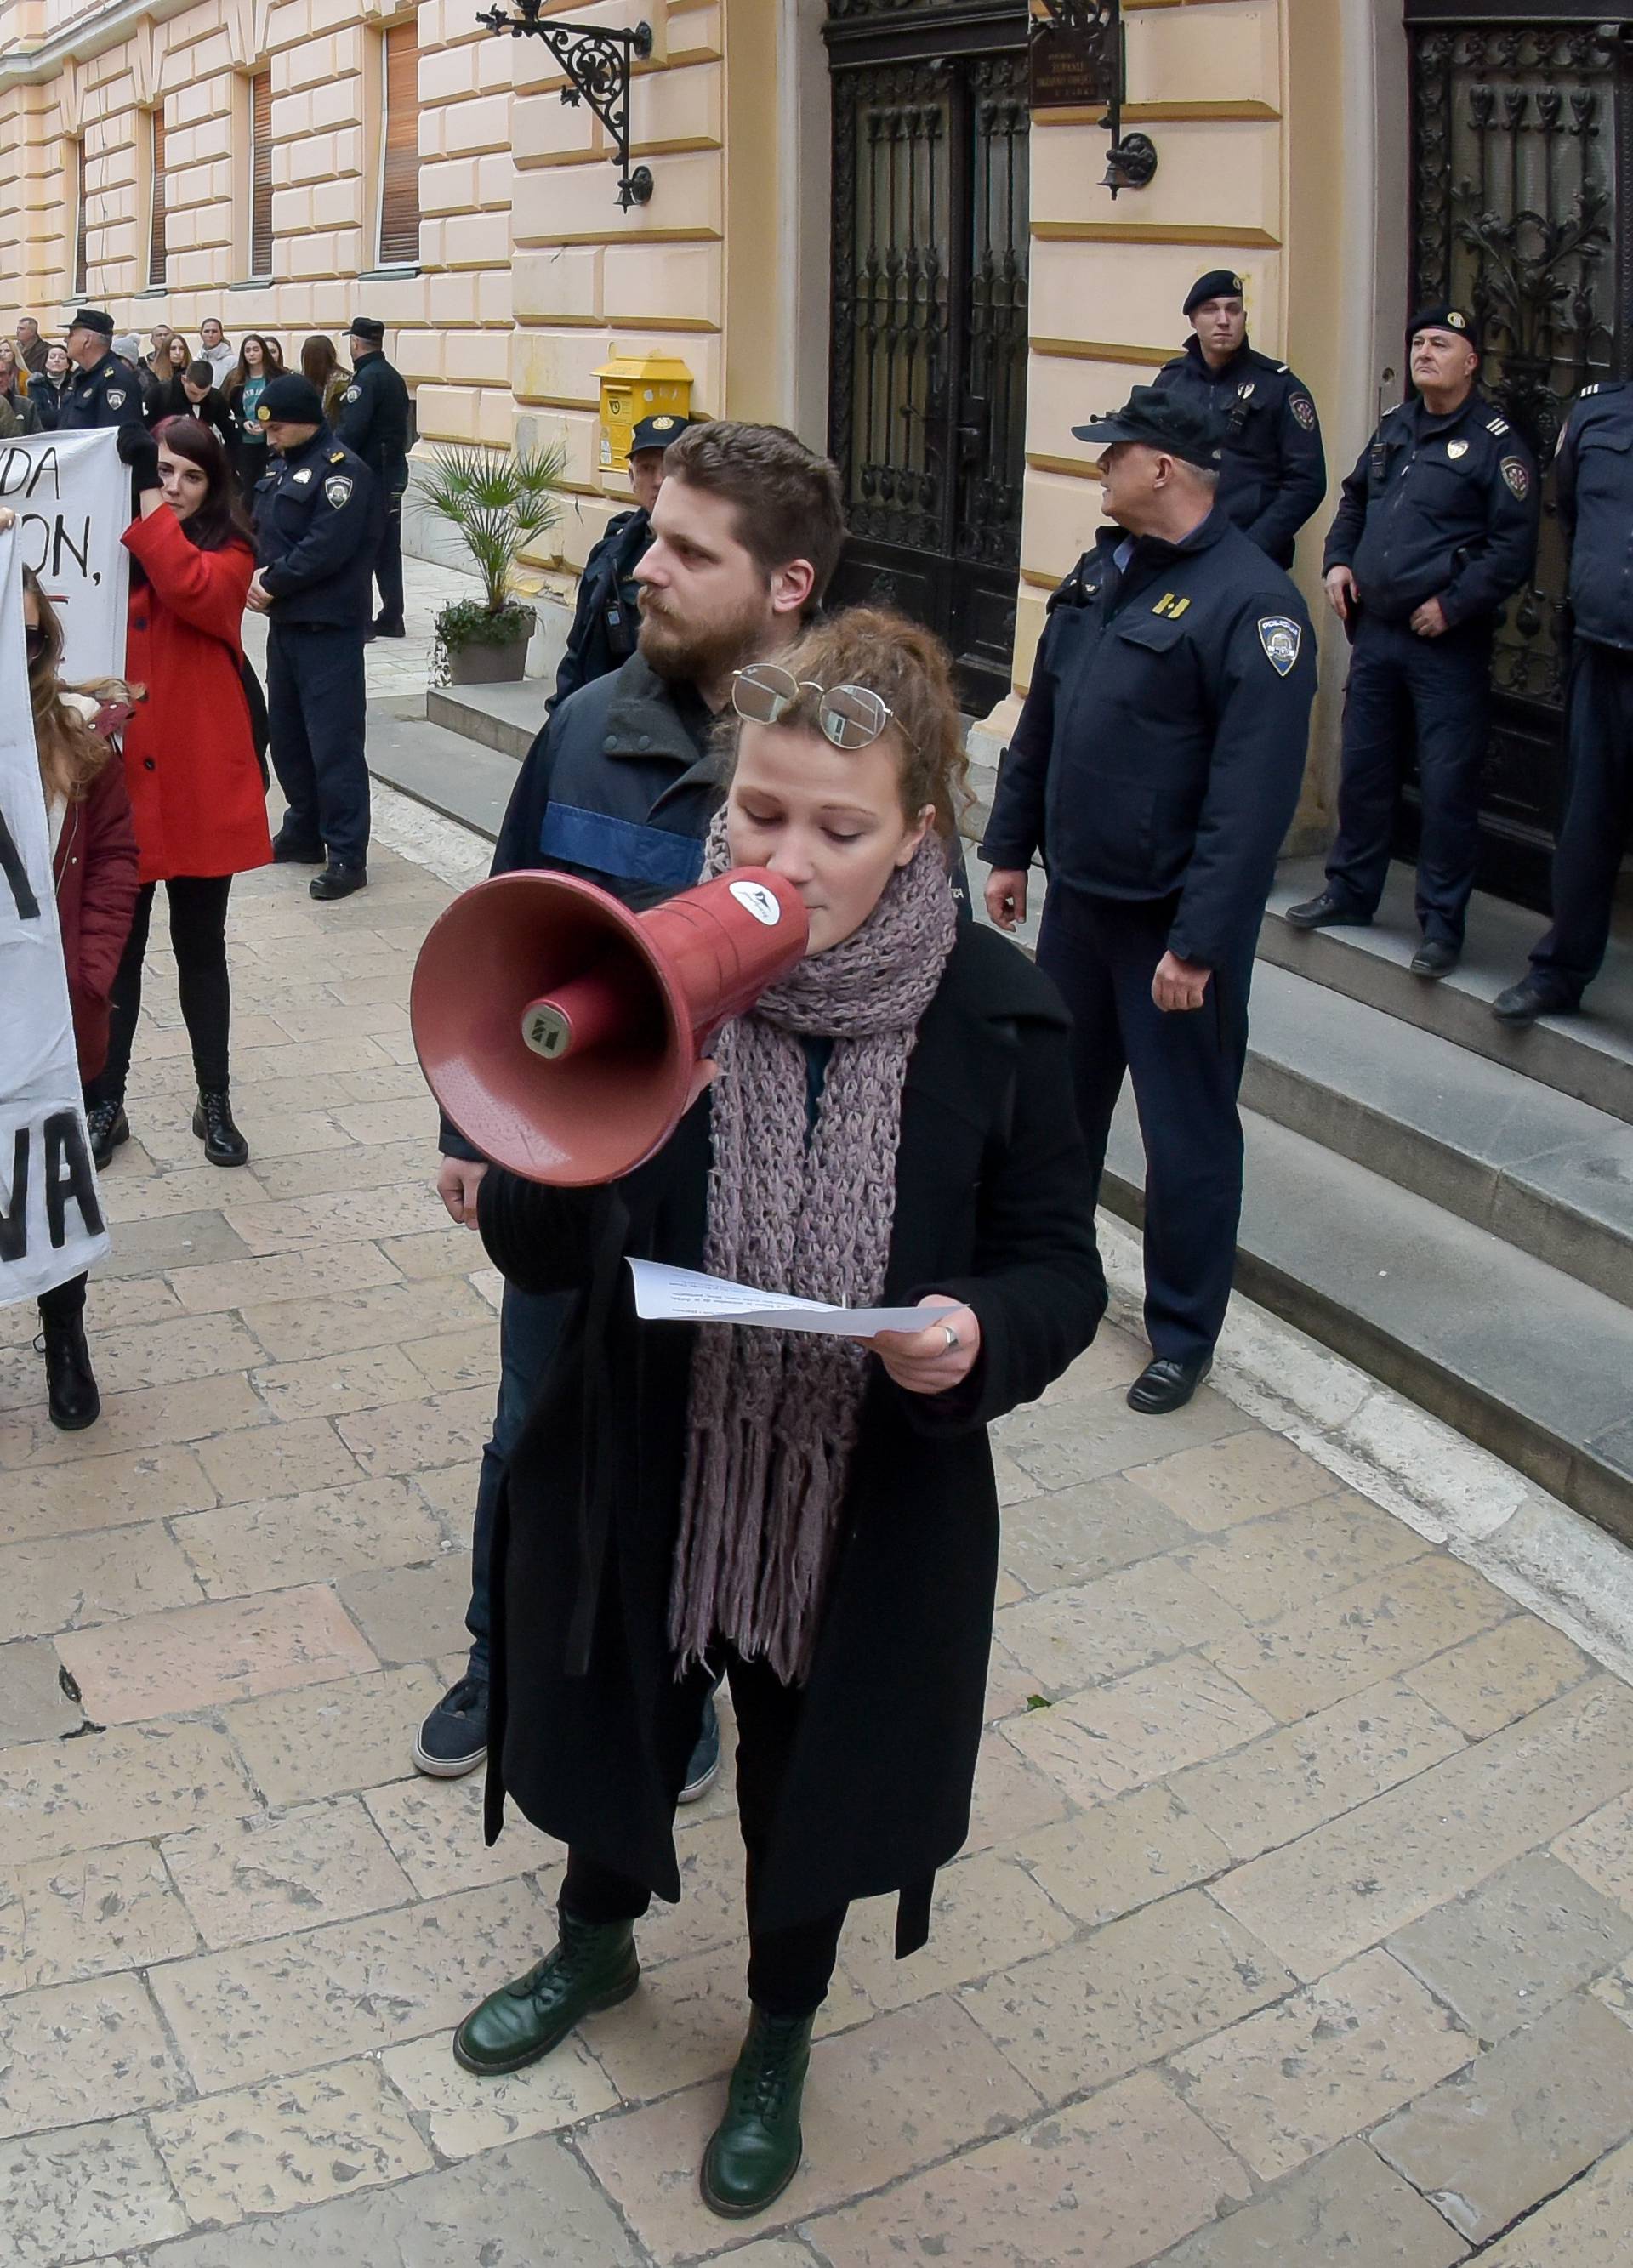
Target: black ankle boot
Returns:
[71, 1383]
[212, 1122]
[108, 1127]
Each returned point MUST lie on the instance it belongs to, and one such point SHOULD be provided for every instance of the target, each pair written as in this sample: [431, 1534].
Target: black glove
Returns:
[140, 451]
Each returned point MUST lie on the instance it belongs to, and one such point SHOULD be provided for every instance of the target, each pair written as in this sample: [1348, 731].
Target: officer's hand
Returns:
[258, 599]
[1342, 591]
[1180, 986]
[458, 1180]
[1430, 621]
[1006, 896]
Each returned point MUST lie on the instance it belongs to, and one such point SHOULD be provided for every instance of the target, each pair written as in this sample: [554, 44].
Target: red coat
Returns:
[189, 758]
[95, 866]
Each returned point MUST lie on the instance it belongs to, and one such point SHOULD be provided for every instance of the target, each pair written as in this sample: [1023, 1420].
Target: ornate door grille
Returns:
[1522, 152]
[929, 319]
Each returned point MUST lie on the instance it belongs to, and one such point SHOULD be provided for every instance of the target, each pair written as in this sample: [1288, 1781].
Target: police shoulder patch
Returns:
[1516, 475]
[352, 394]
[115, 397]
[1282, 639]
[337, 489]
[1303, 411]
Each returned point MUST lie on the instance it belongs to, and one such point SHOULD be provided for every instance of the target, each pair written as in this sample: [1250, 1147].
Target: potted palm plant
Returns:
[498, 500]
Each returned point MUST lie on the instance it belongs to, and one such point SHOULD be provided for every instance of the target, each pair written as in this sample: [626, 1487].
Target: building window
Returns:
[156, 197]
[80, 282]
[399, 147]
[261, 174]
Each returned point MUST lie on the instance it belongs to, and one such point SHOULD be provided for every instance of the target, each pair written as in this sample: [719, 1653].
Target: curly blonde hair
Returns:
[71, 754]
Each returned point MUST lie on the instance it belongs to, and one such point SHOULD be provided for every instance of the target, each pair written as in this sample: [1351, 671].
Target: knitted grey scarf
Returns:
[774, 1416]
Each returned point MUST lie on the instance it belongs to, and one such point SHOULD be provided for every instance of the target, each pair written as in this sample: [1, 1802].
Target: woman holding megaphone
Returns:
[891, 1121]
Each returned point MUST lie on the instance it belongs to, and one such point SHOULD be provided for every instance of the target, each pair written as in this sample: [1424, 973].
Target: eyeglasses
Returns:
[849, 716]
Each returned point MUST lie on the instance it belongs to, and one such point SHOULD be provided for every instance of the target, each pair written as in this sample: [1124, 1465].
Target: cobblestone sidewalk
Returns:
[1296, 1923]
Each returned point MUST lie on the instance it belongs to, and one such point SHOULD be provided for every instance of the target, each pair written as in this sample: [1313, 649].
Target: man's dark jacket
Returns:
[374, 421]
[606, 619]
[1275, 473]
[1593, 477]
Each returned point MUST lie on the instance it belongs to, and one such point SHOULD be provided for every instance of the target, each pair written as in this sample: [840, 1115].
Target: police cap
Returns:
[1159, 421]
[94, 319]
[656, 433]
[290, 400]
[365, 327]
[1444, 317]
[1218, 284]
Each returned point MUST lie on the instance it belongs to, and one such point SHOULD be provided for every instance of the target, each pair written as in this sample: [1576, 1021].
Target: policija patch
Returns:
[1282, 639]
[1517, 473]
[1304, 410]
[337, 489]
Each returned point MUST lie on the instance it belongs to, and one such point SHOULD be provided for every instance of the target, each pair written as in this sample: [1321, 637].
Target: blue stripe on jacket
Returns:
[569, 837]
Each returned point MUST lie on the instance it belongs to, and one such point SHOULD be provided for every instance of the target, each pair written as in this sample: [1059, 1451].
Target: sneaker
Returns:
[704, 1768]
[454, 1739]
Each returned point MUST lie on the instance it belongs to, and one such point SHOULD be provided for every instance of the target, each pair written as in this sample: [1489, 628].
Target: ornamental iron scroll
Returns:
[598, 61]
[1095, 29]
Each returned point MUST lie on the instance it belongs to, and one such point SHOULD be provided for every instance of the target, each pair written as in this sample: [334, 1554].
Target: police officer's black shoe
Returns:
[1523, 1003]
[212, 1122]
[107, 1126]
[338, 881]
[381, 628]
[71, 1394]
[287, 851]
[1166, 1384]
[1436, 956]
[1326, 911]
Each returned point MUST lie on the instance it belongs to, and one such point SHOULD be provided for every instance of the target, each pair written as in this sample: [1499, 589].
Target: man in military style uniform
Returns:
[1275, 472]
[374, 422]
[1594, 486]
[317, 530]
[606, 621]
[1157, 766]
[1437, 527]
[102, 391]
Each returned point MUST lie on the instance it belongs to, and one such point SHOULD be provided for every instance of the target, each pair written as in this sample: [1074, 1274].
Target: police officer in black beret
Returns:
[374, 421]
[1275, 473]
[103, 390]
[317, 530]
[1157, 766]
[1437, 527]
[1594, 474]
[606, 621]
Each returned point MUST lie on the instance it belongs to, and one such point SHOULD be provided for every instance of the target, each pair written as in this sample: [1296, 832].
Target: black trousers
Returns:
[64, 1303]
[1598, 819]
[199, 911]
[1186, 1070]
[1435, 692]
[789, 1969]
[316, 711]
[388, 564]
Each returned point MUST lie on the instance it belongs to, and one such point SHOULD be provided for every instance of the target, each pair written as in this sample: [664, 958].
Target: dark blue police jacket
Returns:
[1594, 475]
[108, 393]
[1438, 508]
[606, 619]
[374, 421]
[1161, 745]
[317, 529]
[1275, 473]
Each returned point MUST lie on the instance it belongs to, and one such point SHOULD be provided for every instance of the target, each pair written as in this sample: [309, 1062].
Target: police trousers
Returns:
[388, 564]
[1437, 690]
[1598, 820]
[316, 711]
[1186, 1069]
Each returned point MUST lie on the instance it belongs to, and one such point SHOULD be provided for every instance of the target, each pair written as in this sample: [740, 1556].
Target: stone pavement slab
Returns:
[1288, 1829]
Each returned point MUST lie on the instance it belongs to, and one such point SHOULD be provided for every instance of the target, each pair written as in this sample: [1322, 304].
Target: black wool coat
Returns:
[992, 1207]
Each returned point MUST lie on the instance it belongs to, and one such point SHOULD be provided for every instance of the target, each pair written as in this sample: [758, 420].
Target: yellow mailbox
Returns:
[633, 387]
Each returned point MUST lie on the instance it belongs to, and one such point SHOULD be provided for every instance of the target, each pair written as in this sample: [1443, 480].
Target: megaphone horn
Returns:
[565, 1037]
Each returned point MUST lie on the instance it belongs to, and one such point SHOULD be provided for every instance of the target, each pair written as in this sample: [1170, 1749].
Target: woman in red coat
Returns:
[190, 763]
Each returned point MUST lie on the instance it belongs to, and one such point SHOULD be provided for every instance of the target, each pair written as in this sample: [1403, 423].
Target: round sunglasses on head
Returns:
[849, 716]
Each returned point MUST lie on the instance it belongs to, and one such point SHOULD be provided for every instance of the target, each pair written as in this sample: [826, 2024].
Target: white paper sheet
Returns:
[680, 1295]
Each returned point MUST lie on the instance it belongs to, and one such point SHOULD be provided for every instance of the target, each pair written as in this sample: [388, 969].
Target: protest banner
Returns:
[51, 1225]
[71, 494]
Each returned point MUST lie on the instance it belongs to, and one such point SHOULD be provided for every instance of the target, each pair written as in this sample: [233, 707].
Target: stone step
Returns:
[507, 718]
[444, 770]
[1588, 1057]
[1520, 1357]
[1539, 1169]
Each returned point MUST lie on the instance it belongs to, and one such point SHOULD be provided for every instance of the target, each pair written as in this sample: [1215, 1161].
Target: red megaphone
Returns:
[565, 1037]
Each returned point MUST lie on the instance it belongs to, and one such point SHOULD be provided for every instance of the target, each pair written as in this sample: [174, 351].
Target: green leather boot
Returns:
[593, 1966]
[755, 2152]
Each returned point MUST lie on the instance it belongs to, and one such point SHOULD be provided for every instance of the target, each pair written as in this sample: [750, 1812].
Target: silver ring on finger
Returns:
[953, 1339]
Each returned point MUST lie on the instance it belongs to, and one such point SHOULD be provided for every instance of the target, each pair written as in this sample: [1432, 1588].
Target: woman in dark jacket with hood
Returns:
[817, 1516]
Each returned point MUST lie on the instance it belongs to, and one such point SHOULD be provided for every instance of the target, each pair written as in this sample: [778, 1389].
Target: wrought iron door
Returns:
[1521, 157]
[927, 403]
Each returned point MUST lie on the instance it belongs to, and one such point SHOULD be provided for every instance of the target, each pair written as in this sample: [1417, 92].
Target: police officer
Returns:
[606, 622]
[103, 390]
[317, 530]
[1275, 473]
[1157, 765]
[374, 422]
[1437, 526]
[1594, 474]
